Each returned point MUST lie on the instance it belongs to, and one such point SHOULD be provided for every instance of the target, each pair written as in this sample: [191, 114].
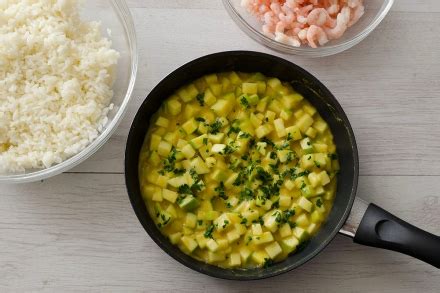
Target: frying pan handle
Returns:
[379, 228]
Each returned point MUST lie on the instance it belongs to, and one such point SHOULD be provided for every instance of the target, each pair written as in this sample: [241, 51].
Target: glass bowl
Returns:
[117, 25]
[375, 11]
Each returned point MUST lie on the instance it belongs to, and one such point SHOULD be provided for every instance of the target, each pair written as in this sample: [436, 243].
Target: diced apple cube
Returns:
[314, 179]
[285, 200]
[199, 141]
[289, 184]
[270, 116]
[188, 151]
[164, 148]
[302, 220]
[245, 252]
[233, 235]
[320, 126]
[274, 83]
[174, 107]
[216, 138]
[216, 256]
[266, 237]
[162, 121]
[211, 78]
[177, 181]
[222, 222]
[190, 220]
[249, 88]
[292, 100]
[309, 110]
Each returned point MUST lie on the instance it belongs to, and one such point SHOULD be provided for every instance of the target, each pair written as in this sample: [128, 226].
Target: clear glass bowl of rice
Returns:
[117, 26]
[375, 12]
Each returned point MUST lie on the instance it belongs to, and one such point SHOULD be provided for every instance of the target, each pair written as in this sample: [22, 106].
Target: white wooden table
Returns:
[77, 231]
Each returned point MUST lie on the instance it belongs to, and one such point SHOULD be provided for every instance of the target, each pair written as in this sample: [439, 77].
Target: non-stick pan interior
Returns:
[304, 83]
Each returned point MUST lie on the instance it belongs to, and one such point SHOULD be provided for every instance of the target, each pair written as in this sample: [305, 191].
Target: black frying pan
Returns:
[366, 223]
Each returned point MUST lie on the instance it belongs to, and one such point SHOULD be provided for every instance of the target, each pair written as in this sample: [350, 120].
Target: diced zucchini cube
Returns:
[285, 230]
[190, 126]
[311, 132]
[199, 166]
[250, 88]
[266, 237]
[305, 204]
[306, 145]
[262, 104]
[190, 220]
[245, 252]
[325, 179]
[284, 155]
[316, 217]
[314, 179]
[257, 230]
[211, 78]
[250, 215]
[273, 250]
[211, 215]
[263, 130]
[260, 257]
[155, 141]
[286, 114]
[307, 161]
[222, 222]
[201, 240]
[274, 83]
[172, 211]
[173, 106]
[304, 122]
[279, 127]
[285, 200]
[222, 107]
[254, 120]
[216, 256]
[157, 195]
[292, 100]
[169, 195]
[216, 138]
[219, 175]
[289, 184]
[270, 116]
[300, 233]
[275, 106]
[293, 132]
[199, 141]
[302, 220]
[222, 244]
[210, 162]
[320, 126]
[289, 244]
[162, 121]
[309, 110]
[218, 148]
[188, 151]
[164, 148]
[175, 237]
[240, 228]
[212, 245]
[312, 228]
[233, 235]
[189, 203]
[235, 79]
[320, 147]
[234, 259]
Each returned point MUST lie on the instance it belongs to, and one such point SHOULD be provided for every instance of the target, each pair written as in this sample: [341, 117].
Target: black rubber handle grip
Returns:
[379, 228]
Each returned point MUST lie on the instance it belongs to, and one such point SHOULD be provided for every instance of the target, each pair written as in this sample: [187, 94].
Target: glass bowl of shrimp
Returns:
[311, 28]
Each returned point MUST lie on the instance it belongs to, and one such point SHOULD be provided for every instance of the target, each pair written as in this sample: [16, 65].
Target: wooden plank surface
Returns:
[77, 232]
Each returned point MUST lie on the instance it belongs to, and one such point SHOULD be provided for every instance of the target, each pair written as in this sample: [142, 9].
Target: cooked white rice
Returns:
[56, 73]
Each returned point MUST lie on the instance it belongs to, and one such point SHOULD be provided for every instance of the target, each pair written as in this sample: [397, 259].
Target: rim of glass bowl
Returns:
[306, 51]
[124, 15]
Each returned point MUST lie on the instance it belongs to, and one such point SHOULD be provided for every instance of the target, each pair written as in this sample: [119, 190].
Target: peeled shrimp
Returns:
[341, 24]
[308, 22]
[316, 33]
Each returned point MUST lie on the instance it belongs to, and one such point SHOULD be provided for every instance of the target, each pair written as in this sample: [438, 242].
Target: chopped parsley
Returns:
[246, 194]
[233, 129]
[317, 164]
[244, 135]
[180, 171]
[221, 191]
[267, 263]
[215, 127]
[244, 221]
[169, 162]
[201, 99]
[225, 223]
[205, 141]
[333, 156]
[244, 102]
[184, 189]
[200, 119]
[209, 231]
[319, 203]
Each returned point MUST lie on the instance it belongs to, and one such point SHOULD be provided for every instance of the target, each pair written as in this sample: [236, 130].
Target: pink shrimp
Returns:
[320, 17]
[333, 7]
[356, 14]
[341, 24]
[316, 33]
